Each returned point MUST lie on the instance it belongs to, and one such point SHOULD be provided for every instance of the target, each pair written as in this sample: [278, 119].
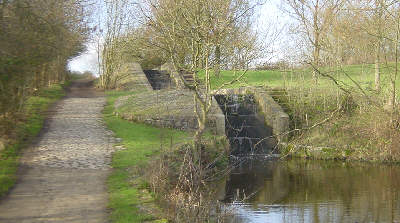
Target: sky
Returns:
[87, 61]
[268, 15]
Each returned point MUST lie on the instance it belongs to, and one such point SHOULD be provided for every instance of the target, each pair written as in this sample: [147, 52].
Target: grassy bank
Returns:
[25, 129]
[331, 123]
[129, 197]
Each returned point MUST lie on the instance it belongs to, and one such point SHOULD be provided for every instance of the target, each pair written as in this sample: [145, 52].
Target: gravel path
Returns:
[62, 176]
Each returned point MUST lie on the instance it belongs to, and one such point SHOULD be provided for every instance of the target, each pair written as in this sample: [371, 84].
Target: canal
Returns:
[298, 190]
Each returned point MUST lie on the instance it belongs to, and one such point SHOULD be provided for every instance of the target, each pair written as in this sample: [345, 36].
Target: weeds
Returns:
[362, 130]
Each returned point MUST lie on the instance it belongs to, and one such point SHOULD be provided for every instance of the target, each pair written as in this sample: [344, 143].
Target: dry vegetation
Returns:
[183, 179]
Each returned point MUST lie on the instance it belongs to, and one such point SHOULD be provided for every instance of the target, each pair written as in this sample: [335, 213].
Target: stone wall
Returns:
[134, 77]
[168, 108]
[169, 67]
[273, 112]
[216, 123]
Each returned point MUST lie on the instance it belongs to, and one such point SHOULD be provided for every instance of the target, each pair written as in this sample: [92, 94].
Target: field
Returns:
[302, 78]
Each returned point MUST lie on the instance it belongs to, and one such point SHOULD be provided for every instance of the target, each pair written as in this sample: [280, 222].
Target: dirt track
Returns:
[62, 176]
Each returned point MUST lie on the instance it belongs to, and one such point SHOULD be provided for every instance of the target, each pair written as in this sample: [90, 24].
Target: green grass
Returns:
[363, 74]
[142, 142]
[251, 77]
[25, 131]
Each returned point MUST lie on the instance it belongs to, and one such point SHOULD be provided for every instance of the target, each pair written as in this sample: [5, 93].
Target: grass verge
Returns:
[128, 194]
[24, 131]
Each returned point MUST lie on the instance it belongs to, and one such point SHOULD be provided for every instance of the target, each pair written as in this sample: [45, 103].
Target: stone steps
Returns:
[158, 79]
[188, 78]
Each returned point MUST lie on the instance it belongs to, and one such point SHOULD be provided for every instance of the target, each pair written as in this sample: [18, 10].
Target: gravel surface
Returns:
[62, 176]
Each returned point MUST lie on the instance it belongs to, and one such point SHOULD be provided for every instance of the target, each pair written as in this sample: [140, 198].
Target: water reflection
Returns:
[313, 191]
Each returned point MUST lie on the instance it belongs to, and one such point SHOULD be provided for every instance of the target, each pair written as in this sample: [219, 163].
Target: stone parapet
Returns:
[168, 108]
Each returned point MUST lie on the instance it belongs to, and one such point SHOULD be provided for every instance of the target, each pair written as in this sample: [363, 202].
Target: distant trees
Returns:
[374, 32]
[37, 39]
[351, 32]
[314, 21]
[149, 41]
[388, 44]
[143, 48]
[112, 44]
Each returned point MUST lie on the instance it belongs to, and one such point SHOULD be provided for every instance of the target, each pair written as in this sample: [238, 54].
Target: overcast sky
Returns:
[267, 14]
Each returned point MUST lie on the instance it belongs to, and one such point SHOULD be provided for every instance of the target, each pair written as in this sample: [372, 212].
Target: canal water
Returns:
[296, 190]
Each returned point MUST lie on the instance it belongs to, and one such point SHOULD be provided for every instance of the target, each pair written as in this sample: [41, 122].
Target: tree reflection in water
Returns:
[313, 191]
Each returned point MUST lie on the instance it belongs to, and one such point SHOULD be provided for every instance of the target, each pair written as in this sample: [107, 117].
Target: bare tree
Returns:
[393, 38]
[314, 17]
[205, 29]
[379, 23]
[113, 42]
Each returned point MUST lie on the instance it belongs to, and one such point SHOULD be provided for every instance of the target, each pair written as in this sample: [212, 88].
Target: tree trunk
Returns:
[316, 61]
[3, 4]
[317, 47]
[379, 6]
[392, 98]
[377, 71]
[217, 65]
[37, 78]
[200, 130]
[45, 77]
[201, 121]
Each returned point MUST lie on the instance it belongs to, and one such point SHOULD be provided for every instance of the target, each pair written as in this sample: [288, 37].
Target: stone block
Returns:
[134, 77]
[169, 67]
[167, 108]
[220, 124]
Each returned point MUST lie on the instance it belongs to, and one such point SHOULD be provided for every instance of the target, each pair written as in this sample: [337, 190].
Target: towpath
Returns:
[62, 176]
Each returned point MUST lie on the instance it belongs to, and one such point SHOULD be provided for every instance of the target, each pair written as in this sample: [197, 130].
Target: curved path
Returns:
[62, 176]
